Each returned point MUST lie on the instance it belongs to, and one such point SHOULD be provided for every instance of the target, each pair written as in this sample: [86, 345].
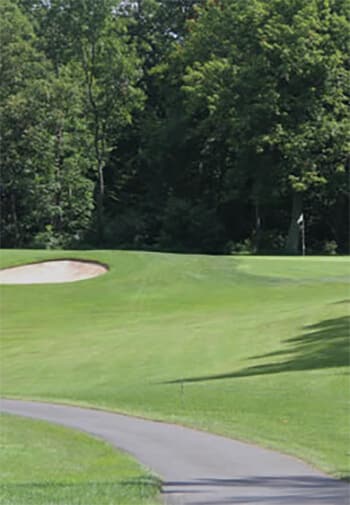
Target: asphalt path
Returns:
[198, 468]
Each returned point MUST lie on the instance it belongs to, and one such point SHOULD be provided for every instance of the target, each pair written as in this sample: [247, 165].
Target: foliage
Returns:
[45, 143]
[330, 247]
[112, 111]
[188, 227]
[274, 76]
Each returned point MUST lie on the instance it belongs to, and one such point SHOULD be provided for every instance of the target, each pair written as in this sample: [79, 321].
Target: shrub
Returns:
[330, 247]
[191, 227]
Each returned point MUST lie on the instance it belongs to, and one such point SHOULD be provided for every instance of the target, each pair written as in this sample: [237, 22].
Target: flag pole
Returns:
[301, 223]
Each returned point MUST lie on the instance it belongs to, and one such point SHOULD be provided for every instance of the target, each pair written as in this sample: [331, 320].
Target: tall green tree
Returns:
[93, 35]
[153, 159]
[111, 69]
[45, 193]
[274, 76]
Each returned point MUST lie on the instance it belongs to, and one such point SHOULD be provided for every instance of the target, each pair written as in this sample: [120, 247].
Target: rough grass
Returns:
[250, 347]
[43, 464]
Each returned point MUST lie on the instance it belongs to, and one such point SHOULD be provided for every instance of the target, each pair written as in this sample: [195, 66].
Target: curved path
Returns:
[198, 468]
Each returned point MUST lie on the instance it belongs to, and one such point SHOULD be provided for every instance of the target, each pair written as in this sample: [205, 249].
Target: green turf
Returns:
[250, 347]
[43, 464]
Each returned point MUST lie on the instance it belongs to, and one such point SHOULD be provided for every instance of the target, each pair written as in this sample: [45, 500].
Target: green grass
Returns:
[43, 464]
[250, 347]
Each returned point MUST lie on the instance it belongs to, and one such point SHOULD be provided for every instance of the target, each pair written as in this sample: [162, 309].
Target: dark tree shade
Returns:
[188, 125]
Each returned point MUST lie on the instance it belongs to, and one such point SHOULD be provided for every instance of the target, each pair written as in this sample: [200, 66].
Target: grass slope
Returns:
[250, 347]
[45, 464]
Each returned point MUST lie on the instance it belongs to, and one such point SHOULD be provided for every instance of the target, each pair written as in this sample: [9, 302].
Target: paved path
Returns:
[199, 468]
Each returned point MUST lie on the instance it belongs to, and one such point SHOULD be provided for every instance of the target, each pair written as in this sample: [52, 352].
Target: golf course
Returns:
[253, 348]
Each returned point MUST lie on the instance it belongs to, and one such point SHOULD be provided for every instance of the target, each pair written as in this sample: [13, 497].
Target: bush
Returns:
[191, 227]
[127, 230]
[244, 247]
[330, 247]
[272, 241]
[50, 239]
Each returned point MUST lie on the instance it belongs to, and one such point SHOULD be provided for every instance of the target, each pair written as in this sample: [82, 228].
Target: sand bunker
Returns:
[52, 272]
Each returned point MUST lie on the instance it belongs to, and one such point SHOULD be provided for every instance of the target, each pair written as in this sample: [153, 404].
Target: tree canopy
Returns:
[201, 126]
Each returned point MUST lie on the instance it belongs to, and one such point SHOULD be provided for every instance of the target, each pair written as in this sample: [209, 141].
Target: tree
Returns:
[154, 158]
[187, 123]
[92, 35]
[45, 143]
[273, 75]
[111, 68]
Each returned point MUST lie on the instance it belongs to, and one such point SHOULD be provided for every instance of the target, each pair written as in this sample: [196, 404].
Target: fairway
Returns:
[250, 347]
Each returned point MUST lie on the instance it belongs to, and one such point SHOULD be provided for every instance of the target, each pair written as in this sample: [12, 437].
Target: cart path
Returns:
[198, 468]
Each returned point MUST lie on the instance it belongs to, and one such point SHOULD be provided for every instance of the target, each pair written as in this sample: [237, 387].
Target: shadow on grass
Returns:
[321, 345]
[291, 490]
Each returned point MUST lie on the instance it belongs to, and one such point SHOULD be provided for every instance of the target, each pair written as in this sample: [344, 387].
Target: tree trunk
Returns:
[17, 242]
[100, 203]
[293, 239]
[58, 162]
[257, 226]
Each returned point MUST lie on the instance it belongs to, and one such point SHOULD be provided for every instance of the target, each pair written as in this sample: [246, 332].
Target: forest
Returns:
[202, 126]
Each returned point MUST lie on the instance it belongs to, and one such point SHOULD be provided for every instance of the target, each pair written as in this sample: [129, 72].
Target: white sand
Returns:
[51, 272]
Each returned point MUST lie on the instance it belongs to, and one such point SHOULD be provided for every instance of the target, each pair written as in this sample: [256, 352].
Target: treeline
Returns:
[202, 126]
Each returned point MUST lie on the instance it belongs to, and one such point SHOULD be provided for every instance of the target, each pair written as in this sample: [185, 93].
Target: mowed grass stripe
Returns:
[249, 347]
